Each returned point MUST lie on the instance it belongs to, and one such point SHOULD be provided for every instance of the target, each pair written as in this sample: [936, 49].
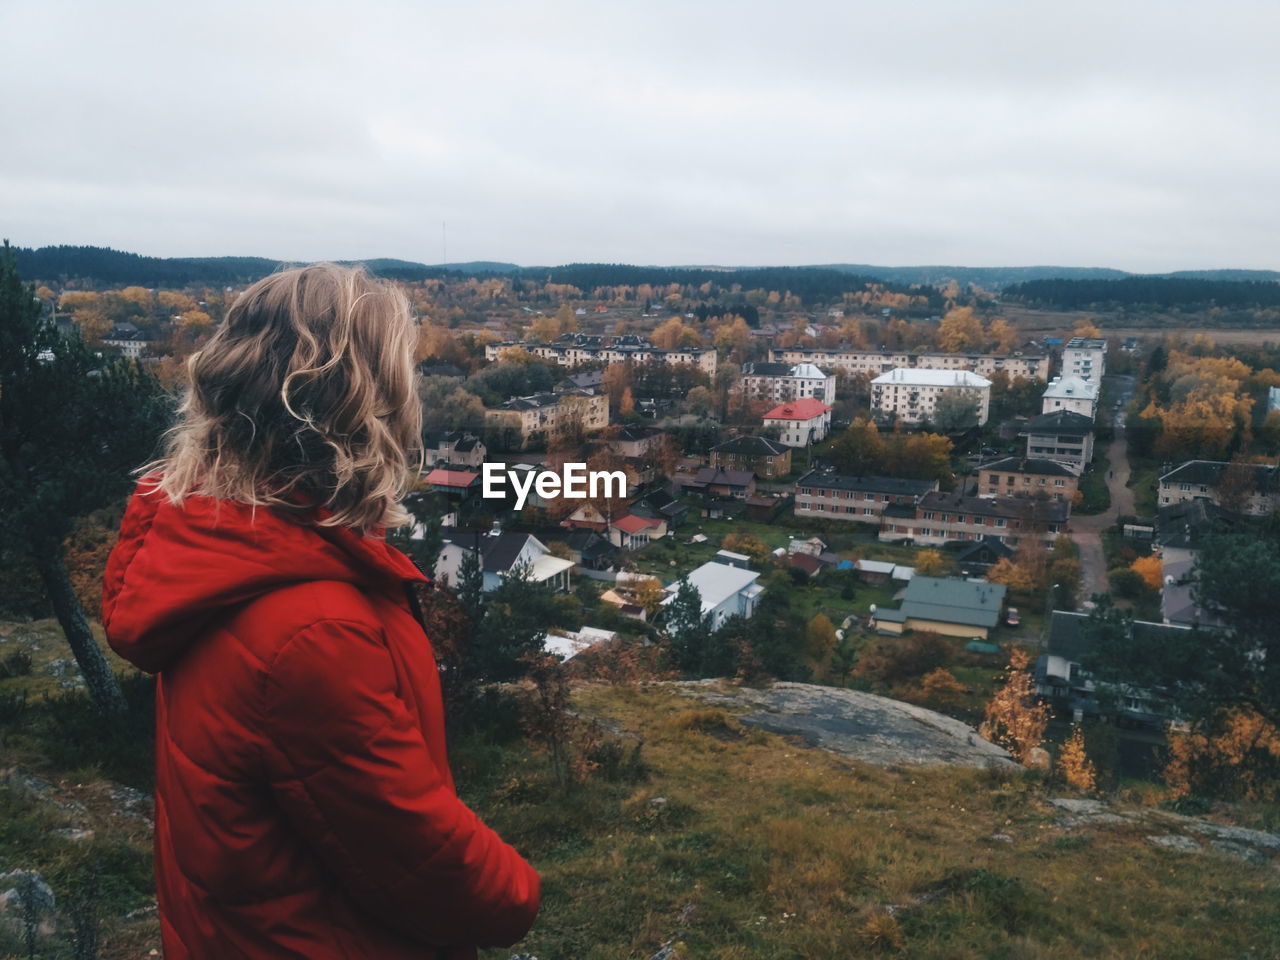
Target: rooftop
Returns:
[752, 447]
[1071, 388]
[715, 583]
[1032, 466]
[893, 485]
[804, 409]
[951, 600]
[922, 377]
[1087, 343]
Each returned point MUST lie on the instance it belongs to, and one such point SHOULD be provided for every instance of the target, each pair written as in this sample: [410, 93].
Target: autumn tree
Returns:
[859, 450]
[1003, 335]
[1014, 718]
[72, 426]
[749, 544]
[1074, 764]
[960, 330]
[1234, 754]
[820, 646]
[932, 563]
[1151, 570]
[1087, 328]
[1237, 485]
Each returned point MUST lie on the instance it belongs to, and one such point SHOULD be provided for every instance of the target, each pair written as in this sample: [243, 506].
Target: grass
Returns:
[1097, 498]
[761, 849]
[1144, 475]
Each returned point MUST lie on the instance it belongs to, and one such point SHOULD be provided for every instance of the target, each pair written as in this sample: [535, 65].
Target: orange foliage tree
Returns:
[1074, 764]
[1238, 757]
[1151, 570]
[1014, 718]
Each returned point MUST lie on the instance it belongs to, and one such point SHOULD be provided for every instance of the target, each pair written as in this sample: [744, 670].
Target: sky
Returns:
[1137, 135]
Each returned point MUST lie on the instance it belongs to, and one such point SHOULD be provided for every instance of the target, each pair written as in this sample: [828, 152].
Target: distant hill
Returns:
[987, 277]
[1182, 292]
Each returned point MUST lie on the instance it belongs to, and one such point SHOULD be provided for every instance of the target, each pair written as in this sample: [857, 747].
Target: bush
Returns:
[893, 660]
[1126, 582]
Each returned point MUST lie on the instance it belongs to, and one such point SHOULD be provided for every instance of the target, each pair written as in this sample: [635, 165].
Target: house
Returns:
[632, 532]
[731, 559]
[946, 605]
[912, 395]
[1021, 477]
[780, 382]
[590, 550]
[1252, 489]
[735, 484]
[567, 644]
[501, 552]
[812, 546]
[635, 442]
[975, 557]
[1180, 528]
[457, 448]
[1085, 357]
[810, 564]
[1029, 366]
[1071, 393]
[526, 421]
[1061, 679]
[764, 457]
[460, 486]
[725, 591]
[835, 496]
[767, 507]
[940, 518]
[802, 422]
[1063, 436]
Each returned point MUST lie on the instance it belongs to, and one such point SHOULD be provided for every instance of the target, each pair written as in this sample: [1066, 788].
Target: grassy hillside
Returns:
[698, 832]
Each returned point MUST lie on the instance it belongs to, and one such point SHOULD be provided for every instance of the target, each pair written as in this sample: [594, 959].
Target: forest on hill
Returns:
[1154, 293]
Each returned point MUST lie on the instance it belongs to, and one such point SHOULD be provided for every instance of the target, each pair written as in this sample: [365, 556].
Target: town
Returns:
[945, 499]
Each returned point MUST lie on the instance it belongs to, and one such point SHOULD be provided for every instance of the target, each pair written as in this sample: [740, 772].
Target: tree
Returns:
[1074, 763]
[820, 646]
[932, 563]
[941, 686]
[688, 630]
[1003, 335]
[859, 451]
[1236, 486]
[957, 410]
[960, 330]
[1015, 719]
[1151, 570]
[72, 426]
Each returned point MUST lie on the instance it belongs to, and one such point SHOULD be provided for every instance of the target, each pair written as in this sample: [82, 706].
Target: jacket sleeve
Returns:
[352, 771]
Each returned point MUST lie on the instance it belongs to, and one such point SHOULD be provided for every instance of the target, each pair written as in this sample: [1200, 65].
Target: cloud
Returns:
[991, 133]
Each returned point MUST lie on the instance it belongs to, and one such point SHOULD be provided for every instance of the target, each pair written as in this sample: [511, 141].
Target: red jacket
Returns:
[304, 804]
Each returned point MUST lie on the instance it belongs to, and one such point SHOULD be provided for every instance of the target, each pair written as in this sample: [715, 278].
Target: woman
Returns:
[304, 804]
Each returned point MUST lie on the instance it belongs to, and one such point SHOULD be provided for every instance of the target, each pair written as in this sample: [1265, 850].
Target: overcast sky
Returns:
[1138, 135]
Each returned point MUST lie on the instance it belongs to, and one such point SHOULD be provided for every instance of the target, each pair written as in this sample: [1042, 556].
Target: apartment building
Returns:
[1257, 494]
[779, 382]
[573, 350]
[534, 419]
[940, 518]
[1031, 366]
[1064, 437]
[801, 422]
[835, 496]
[1021, 477]
[1071, 393]
[762, 456]
[1085, 357]
[912, 395]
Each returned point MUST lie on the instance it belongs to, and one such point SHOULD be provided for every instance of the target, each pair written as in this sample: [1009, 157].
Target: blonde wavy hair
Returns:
[305, 395]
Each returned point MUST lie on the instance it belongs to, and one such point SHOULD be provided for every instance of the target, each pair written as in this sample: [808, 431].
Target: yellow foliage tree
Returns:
[960, 330]
[1240, 758]
[932, 563]
[1014, 718]
[1074, 763]
[1151, 570]
[941, 686]
[1012, 575]
[820, 646]
[1087, 328]
[1003, 335]
[747, 543]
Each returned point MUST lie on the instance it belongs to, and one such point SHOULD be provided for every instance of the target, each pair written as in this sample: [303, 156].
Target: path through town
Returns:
[1086, 531]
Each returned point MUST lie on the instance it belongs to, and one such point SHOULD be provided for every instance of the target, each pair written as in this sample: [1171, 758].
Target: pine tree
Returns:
[72, 426]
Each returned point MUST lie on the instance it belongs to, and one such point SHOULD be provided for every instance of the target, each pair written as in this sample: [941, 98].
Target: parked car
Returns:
[1012, 618]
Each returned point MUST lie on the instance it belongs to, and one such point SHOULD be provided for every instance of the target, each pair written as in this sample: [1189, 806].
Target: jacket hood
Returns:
[176, 568]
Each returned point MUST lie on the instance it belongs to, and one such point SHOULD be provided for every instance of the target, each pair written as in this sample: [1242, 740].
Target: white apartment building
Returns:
[576, 349]
[1085, 357]
[912, 395]
[800, 422]
[1031, 366]
[779, 382]
[1071, 393]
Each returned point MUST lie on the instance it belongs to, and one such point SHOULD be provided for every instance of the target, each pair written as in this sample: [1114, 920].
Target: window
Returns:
[1059, 483]
[1000, 521]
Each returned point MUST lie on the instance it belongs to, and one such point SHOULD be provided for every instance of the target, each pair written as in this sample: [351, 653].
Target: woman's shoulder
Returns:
[268, 622]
